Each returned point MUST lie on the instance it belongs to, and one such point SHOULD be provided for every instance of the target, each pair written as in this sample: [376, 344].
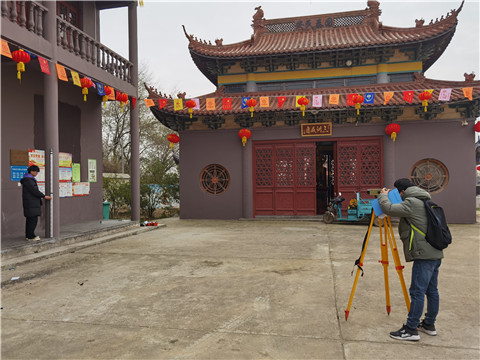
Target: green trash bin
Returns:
[106, 210]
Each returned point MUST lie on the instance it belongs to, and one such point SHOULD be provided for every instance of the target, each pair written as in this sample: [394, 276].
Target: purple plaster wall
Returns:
[446, 141]
[17, 132]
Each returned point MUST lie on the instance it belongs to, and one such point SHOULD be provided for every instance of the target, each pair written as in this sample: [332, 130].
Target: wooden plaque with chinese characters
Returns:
[316, 129]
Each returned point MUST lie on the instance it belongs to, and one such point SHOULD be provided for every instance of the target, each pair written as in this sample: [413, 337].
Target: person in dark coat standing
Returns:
[32, 202]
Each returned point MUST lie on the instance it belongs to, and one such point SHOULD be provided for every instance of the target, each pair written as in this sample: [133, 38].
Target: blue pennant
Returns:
[100, 89]
[369, 98]
[244, 102]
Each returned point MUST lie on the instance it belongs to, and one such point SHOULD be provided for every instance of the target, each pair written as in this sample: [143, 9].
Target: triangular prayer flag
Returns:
[134, 102]
[388, 96]
[177, 104]
[468, 92]
[210, 104]
[100, 89]
[334, 99]
[244, 102]
[281, 100]
[162, 103]
[369, 98]
[350, 100]
[317, 100]
[408, 96]
[5, 49]
[44, 65]
[227, 103]
[112, 94]
[445, 95]
[264, 101]
[76, 78]
[429, 91]
[149, 102]
[61, 73]
[197, 104]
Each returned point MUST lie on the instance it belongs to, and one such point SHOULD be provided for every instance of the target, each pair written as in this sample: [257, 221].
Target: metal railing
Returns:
[31, 16]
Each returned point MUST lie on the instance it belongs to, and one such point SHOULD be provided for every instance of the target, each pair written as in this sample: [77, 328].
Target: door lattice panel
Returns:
[371, 167]
[264, 167]
[305, 158]
[347, 165]
[284, 167]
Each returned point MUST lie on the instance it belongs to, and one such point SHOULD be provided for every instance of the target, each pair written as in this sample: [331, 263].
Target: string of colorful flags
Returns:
[317, 100]
[108, 93]
[21, 57]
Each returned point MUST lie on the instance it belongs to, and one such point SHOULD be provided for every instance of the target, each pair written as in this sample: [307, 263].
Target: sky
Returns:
[163, 47]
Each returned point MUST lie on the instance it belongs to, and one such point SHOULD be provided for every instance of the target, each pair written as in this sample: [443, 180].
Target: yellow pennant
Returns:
[264, 101]
[177, 104]
[296, 100]
[76, 78]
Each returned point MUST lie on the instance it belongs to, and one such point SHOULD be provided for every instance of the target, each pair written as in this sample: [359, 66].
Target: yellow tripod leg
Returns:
[384, 261]
[357, 275]
[398, 264]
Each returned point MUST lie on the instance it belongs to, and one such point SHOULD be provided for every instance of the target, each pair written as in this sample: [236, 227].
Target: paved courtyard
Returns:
[233, 290]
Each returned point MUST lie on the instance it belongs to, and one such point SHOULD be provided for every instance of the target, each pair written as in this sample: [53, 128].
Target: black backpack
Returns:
[438, 234]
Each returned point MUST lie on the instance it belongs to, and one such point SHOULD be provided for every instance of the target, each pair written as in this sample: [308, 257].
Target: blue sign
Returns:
[17, 172]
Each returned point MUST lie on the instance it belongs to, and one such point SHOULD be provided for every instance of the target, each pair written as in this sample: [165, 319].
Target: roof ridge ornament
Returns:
[259, 22]
[374, 13]
[469, 77]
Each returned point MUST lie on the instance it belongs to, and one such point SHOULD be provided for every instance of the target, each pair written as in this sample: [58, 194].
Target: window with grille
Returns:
[214, 179]
[430, 175]
[400, 77]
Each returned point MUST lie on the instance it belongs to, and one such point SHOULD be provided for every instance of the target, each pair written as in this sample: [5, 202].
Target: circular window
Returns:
[214, 179]
[430, 175]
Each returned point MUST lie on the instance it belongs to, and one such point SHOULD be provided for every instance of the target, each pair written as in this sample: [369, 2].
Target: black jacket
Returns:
[31, 197]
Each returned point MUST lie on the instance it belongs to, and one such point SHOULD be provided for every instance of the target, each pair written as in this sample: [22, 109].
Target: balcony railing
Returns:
[31, 16]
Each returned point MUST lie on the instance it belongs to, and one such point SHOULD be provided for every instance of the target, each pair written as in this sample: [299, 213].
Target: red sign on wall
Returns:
[316, 129]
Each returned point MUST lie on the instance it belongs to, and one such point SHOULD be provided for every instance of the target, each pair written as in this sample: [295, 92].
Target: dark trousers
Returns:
[30, 225]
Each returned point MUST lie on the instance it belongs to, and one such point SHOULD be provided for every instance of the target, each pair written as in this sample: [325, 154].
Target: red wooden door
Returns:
[284, 178]
[359, 167]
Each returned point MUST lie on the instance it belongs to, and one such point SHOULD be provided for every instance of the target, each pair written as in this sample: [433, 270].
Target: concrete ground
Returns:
[233, 290]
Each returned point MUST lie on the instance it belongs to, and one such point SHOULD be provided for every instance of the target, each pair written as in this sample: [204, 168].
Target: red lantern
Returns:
[21, 58]
[303, 101]
[357, 100]
[123, 98]
[86, 83]
[190, 104]
[108, 91]
[476, 127]
[173, 138]
[425, 96]
[251, 103]
[244, 134]
[392, 130]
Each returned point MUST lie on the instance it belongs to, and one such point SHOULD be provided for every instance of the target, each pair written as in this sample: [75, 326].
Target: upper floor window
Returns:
[402, 77]
[69, 11]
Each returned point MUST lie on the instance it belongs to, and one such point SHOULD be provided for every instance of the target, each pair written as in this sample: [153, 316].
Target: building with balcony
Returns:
[294, 163]
[44, 113]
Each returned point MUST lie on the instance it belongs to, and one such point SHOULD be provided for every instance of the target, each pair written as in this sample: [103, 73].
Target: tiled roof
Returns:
[419, 85]
[347, 30]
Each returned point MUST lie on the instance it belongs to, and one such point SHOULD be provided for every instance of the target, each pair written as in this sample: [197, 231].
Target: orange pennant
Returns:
[264, 101]
[62, 74]
[149, 102]
[210, 103]
[388, 96]
[468, 92]
[5, 49]
[334, 99]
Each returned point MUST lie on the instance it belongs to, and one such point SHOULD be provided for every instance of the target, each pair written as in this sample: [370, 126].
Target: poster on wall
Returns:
[75, 172]
[81, 189]
[65, 174]
[19, 157]
[65, 190]
[41, 175]
[17, 172]
[41, 187]
[92, 170]
[36, 157]
[64, 160]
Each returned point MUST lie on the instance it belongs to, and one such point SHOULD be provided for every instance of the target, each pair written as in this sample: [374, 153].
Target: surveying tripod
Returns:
[386, 225]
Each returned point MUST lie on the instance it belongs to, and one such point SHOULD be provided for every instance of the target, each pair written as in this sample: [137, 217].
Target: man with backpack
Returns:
[412, 228]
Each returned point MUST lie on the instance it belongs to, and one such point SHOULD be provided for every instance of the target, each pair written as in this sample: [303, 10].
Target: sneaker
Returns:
[427, 329]
[405, 333]
[36, 238]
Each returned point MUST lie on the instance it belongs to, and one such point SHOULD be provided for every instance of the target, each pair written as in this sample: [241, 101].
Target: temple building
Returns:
[364, 82]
